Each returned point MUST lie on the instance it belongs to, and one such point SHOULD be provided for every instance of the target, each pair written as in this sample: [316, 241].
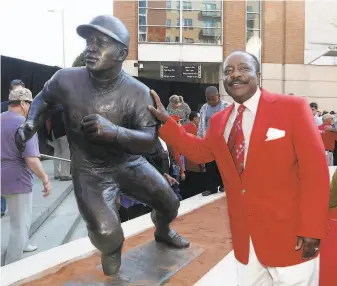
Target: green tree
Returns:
[79, 61]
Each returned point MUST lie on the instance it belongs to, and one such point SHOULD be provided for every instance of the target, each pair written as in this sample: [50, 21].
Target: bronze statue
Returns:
[108, 127]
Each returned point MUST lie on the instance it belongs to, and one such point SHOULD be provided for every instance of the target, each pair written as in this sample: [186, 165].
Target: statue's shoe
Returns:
[172, 239]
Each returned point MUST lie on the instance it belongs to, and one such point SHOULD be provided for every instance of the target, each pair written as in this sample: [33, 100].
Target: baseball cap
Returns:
[109, 26]
[23, 94]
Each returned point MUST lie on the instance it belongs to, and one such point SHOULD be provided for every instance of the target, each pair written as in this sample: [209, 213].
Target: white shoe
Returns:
[30, 248]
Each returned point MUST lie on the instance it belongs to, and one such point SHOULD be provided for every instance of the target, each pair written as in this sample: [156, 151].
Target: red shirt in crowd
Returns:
[328, 137]
[190, 165]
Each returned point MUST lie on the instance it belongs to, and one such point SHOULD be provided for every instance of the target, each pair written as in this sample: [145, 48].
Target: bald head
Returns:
[254, 60]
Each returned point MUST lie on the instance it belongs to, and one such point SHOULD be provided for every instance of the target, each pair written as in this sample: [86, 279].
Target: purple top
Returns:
[126, 202]
[16, 177]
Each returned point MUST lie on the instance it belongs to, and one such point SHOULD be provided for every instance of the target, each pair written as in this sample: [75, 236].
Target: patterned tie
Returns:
[236, 141]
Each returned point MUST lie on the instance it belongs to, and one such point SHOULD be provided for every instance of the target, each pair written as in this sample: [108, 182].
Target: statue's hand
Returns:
[96, 127]
[20, 135]
[159, 112]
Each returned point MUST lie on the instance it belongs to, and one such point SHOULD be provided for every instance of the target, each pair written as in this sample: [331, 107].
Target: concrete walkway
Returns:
[42, 207]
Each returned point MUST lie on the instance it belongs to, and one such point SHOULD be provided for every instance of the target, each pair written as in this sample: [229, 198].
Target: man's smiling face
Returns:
[241, 76]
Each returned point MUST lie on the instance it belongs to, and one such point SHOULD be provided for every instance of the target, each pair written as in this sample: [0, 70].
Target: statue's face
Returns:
[102, 52]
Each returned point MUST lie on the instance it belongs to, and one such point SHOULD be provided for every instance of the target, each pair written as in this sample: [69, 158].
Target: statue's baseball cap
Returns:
[109, 26]
[22, 94]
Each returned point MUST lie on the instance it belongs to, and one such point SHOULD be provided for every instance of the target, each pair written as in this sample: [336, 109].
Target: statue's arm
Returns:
[138, 141]
[47, 97]
[140, 138]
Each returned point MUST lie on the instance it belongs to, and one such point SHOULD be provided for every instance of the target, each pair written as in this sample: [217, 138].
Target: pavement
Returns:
[42, 207]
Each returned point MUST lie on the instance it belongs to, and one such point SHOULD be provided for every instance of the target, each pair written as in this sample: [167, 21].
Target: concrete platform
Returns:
[50, 261]
[42, 207]
[57, 228]
[224, 273]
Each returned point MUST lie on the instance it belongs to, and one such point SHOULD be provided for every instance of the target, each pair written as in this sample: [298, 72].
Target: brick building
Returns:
[188, 41]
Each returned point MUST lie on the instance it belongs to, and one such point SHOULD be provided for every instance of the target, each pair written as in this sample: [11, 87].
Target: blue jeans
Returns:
[3, 205]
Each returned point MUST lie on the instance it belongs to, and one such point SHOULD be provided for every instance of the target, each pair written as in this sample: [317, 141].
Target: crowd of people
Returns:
[327, 125]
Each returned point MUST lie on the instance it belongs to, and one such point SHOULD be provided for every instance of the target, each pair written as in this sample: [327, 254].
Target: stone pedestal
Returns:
[150, 264]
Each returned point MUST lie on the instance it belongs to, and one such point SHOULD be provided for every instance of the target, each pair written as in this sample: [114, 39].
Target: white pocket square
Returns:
[273, 134]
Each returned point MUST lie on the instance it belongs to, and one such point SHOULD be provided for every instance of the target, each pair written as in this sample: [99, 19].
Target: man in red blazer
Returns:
[272, 162]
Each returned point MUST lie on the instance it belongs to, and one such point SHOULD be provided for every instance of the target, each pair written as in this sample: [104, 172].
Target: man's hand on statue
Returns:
[170, 180]
[160, 112]
[310, 246]
[97, 127]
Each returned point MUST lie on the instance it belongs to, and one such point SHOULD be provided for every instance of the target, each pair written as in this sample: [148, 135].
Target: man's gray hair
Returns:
[327, 116]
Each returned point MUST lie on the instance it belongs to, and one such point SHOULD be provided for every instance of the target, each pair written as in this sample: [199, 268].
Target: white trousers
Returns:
[61, 150]
[256, 274]
[20, 214]
[329, 157]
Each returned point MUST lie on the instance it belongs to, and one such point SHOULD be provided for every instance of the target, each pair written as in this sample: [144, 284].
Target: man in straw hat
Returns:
[17, 170]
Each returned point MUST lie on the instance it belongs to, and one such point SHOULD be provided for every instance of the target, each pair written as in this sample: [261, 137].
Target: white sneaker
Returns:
[30, 248]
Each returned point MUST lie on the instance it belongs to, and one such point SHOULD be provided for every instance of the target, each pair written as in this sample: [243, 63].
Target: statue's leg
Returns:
[96, 195]
[140, 180]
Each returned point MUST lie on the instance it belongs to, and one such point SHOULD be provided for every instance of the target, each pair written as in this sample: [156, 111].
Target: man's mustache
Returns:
[238, 81]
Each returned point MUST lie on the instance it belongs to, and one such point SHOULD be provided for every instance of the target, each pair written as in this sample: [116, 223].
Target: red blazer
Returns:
[284, 192]
[190, 165]
[191, 128]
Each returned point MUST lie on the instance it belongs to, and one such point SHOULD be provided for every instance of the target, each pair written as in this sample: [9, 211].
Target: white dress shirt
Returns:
[164, 145]
[318, 120]
[247, 121]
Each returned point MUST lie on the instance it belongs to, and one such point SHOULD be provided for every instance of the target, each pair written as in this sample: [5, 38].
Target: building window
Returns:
[201, 21]
[253, 27]
[209, 6]
[187, 5]
[188, 23]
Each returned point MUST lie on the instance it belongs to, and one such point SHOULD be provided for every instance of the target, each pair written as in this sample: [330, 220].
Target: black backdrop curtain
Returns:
[35, 75]
[32, 74]
[193, 93]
